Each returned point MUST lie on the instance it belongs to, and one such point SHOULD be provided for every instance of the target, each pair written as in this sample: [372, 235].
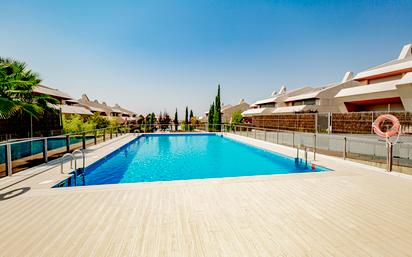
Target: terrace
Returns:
[354, 209]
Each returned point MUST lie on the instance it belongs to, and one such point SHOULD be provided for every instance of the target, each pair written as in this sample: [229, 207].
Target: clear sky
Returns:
[152, 56]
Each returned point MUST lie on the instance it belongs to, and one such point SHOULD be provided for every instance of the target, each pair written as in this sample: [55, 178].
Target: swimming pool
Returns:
[181, 157]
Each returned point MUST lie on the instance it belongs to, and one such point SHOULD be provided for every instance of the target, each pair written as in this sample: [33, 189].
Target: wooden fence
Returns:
[342, 123]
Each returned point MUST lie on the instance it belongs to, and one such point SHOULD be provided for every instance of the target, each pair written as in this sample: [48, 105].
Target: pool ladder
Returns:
[73, 158]
[297, 160]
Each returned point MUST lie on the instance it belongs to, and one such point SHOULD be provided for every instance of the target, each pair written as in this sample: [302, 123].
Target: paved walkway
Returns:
[351, 211]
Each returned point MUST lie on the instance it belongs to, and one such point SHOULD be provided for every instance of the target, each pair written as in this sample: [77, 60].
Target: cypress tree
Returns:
[217, 119]
[210, 118]
[153, 118]
[186, 117]
[191, 115]
[176, 120]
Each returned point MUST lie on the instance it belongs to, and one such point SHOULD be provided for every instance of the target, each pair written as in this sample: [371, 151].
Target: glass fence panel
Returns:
[89, 139]
[304, 140]
[365, 150]
[286, 138]
[329, 145]
[402, 154]
[76, 142]
[259, 134]
[3, 167]
[56, 147]
[271, 136]
[25, 155]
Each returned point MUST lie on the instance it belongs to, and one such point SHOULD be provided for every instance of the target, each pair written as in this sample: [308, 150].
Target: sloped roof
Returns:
[51, 92]
[314, 94]
[266, 101]
[95, 105]
[71, 109]
[120, 109]
[96, 109]
[226, 107]
[280, 97]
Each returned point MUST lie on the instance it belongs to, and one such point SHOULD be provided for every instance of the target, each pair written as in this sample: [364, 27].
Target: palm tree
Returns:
[16, 90]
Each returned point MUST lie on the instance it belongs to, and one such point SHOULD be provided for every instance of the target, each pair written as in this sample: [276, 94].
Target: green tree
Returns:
[217, 117]
[152, 118]
[237, 117]
[210, 115]
[191, 114]
[75, 123]
[176, 120]
[16, 91]
[186, 117]
[149, 122]
[98, 121]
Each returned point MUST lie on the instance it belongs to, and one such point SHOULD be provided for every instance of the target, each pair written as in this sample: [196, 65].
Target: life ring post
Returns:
[395, 130]
[389, 157]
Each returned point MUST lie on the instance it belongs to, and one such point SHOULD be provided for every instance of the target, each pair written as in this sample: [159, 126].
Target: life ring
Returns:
[395, 129]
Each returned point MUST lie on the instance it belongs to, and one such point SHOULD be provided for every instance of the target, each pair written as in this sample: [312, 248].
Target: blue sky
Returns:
[152, 56]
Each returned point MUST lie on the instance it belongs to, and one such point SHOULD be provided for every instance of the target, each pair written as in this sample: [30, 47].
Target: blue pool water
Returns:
[181, 157]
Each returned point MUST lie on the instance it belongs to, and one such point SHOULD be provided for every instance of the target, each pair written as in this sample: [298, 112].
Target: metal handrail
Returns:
[71, 162]
[83, 157]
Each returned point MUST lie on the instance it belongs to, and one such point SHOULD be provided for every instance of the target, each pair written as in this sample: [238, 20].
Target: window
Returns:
[305, 102]
[309, 102]
[268, 105]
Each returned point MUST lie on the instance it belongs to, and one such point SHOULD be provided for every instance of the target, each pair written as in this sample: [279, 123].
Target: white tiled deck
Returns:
[351, 211]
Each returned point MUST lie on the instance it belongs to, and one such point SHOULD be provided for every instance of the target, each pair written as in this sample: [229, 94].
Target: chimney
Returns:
[405, 52]
[348, 76]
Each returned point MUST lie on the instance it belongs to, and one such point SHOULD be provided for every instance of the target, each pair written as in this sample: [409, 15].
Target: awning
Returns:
[386, 68]
[387, 86]
[406, 79]
[96, 109]
[266, 101]
[71, 109]
[297, 108]
[257, 111]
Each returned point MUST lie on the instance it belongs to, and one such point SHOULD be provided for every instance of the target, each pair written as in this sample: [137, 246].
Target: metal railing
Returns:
[18, 155]
[364, 148]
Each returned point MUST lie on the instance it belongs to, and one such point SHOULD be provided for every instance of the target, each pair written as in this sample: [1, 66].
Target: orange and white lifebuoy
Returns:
[394, 130]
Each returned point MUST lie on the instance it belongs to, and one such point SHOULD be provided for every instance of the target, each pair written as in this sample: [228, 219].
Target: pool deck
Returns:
[354, 210]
